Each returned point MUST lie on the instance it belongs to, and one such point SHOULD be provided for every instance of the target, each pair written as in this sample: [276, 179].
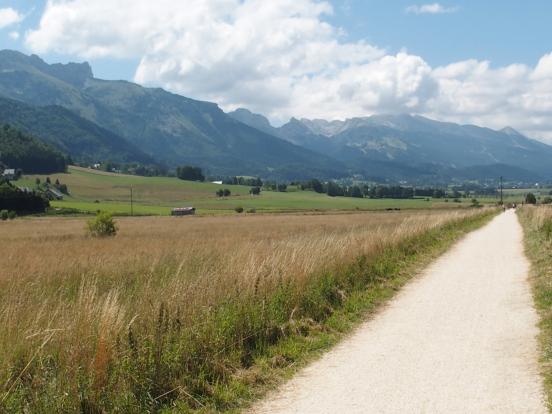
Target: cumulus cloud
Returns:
[9, 16]
[433, 8]
[235, 52]
[390, 84]
[282, 58]
[14, 35]
[517, 95]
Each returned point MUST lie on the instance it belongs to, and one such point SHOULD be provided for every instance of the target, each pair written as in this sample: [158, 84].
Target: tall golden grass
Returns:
[537, 225]
[160, 307]
[538, 216]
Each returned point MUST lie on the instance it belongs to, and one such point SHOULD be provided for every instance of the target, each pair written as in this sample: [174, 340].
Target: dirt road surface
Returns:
[461, 338]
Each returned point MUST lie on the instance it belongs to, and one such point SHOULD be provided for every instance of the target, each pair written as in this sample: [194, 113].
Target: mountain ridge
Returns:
[178, 130]
[416, 141]
[83, 140]
[166, 126]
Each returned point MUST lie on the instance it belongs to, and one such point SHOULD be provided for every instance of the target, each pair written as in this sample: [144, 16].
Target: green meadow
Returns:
[93, 190]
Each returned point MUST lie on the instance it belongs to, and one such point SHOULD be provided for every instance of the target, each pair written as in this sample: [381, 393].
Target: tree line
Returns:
[247, 181]
[22, 202]
[132, 168]
[334, 189]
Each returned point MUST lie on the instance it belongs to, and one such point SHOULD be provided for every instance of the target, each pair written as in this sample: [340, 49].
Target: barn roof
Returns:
[183, 209]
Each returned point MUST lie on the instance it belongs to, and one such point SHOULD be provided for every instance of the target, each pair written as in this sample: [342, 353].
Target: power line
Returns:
[131, 203]
[501, 191]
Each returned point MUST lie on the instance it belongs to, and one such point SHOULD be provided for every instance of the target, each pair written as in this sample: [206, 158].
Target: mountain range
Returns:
[398, 146]
[96, 120]
[170, 128]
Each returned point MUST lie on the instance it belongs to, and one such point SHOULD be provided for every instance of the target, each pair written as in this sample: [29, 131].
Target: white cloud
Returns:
[517, 95]
[433, 8]
[14, 35]
[283, 59]
[9, 16]
[234, 52]
[390, 84]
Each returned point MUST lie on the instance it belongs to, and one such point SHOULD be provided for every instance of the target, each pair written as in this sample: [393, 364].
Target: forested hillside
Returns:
[83, 140]
[173, 129]
[21, 151]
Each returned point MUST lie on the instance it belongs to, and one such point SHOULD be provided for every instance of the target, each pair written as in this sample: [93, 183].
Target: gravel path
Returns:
[458, 339]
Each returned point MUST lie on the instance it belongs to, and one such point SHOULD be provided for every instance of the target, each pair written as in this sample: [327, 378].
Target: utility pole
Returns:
[501, 192]
[131, 203]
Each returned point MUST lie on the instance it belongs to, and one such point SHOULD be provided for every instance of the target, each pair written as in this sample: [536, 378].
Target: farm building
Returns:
[53, 194]
[9, 174]
[183, 211]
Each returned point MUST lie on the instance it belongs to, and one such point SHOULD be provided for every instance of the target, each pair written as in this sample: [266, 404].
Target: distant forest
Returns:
[21, 202]
[23, 152]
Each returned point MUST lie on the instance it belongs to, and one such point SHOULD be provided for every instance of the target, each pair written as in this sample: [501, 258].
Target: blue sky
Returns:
[502, 31]
[482, 62]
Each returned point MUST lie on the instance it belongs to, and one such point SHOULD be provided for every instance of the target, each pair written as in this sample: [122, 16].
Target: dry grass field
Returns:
[168, 311]
[537, 224]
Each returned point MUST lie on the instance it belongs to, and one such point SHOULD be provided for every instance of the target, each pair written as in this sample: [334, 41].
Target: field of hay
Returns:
[168, 311]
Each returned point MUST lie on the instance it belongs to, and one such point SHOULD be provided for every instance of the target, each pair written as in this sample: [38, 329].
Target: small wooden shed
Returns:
[183, 211]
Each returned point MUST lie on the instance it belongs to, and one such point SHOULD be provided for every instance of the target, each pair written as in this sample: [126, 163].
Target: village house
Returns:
[9, 174]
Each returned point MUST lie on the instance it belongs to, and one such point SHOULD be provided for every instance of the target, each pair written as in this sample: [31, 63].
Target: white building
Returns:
[9, 174]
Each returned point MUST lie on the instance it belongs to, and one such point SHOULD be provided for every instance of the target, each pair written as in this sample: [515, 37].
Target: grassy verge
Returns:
[537, 225]
[133, 339]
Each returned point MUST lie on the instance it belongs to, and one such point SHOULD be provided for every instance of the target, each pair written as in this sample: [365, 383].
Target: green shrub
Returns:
[239, 209]
[530, 198]
[4, 215]
[252, 210]
[12, 215]
[102, 225]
